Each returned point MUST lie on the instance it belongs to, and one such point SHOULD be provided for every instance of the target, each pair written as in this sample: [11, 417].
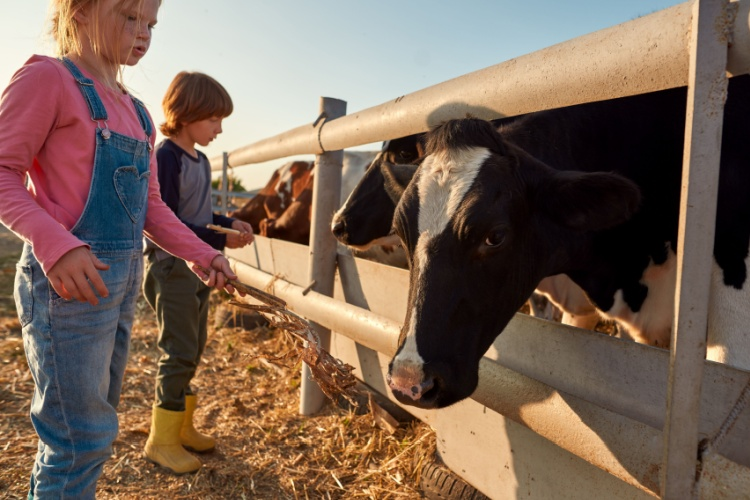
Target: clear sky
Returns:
[278, 57]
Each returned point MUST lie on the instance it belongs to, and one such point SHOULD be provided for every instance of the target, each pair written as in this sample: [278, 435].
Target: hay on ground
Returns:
[265, 448]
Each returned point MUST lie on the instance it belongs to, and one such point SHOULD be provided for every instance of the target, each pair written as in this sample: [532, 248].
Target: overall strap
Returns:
[143, 116]
[96, 108]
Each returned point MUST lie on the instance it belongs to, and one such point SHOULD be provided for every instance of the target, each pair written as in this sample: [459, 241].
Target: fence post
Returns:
[322, 263]
[224, 183]
[707, 87]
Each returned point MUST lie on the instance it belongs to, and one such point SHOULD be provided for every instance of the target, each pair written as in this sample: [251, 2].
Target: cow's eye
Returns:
[405, 157]
[495, 238]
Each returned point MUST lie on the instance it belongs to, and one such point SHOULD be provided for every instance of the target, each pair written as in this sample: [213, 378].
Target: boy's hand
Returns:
[218, 276]
[74, 274]
[244, 238]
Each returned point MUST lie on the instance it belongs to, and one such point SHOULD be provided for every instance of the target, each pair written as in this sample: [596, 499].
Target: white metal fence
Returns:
[632, 411]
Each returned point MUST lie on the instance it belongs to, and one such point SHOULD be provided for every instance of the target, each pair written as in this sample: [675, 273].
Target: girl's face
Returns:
[203, 131]
[126, 28]
[135, 26]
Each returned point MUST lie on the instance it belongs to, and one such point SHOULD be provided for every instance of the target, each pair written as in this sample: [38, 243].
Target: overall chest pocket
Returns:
[132, 189]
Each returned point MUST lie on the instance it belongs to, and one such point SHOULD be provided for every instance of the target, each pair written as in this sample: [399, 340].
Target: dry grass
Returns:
[265, 448]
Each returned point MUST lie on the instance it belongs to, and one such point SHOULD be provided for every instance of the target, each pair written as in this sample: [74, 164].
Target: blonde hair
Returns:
[67, 36]
[192, 97]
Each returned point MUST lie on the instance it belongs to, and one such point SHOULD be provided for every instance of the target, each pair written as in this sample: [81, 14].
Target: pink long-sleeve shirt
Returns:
[46, 131]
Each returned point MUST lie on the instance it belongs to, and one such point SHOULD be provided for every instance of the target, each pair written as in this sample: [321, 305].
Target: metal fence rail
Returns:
[643, 55]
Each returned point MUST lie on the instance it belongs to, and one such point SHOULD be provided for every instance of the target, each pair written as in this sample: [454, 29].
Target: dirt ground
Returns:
[265, 448]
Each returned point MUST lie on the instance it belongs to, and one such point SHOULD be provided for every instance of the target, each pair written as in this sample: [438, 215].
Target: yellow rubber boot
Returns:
[163, 446]
[191, 438]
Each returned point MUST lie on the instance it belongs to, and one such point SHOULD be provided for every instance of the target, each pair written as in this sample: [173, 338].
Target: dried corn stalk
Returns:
[332, 375]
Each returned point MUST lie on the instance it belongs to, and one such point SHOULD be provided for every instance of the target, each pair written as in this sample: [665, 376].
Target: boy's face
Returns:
[203, 131]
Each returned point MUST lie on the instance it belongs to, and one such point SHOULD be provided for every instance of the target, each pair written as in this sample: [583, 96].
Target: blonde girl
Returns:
[76, 185]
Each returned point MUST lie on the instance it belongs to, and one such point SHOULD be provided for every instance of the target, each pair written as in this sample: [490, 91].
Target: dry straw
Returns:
[332, 375]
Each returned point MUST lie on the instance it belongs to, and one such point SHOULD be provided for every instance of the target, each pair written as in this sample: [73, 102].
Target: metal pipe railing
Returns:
[707, 90]
[624, 447]
[643, 55]
[322, 261]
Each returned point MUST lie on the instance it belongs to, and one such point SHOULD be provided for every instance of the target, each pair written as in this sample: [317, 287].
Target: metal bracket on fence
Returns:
[322, 118]
[309, 287]
[709, 445]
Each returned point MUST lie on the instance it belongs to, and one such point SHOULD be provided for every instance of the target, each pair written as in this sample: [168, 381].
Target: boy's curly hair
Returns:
[191, 97]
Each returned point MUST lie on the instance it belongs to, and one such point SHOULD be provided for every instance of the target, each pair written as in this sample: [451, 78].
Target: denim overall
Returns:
[77, 352]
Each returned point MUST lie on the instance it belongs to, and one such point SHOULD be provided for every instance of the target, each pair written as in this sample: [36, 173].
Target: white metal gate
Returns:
[582, 414]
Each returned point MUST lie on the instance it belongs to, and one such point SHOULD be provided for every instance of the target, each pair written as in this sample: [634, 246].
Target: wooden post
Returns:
[322, 263]
[707, 87]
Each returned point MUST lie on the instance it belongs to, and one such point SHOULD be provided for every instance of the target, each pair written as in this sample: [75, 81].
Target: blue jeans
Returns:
[77, 371]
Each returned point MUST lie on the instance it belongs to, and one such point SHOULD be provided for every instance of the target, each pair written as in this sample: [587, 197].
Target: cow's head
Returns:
[365, 217]
[286, 184]
[483, 222]
[294, 222]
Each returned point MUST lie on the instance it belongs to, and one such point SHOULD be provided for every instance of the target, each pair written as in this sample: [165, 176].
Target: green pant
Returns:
[180, 300]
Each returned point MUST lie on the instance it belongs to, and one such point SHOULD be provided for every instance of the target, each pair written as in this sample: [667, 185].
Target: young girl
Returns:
[85, 146]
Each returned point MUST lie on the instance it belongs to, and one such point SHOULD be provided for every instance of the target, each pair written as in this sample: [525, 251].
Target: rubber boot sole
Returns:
[170, 470]
[202, 452]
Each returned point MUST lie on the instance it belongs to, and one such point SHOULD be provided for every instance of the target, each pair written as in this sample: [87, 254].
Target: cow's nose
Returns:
[420, 394]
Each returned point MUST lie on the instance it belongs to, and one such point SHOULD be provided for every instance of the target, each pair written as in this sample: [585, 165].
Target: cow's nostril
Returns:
[425, 386]
[338, 228]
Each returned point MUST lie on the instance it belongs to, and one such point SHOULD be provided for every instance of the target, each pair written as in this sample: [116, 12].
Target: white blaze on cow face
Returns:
[355, 166]
[442, 185]
[284, 184]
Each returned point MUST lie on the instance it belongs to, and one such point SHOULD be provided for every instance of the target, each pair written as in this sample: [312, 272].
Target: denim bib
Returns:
[114, 215]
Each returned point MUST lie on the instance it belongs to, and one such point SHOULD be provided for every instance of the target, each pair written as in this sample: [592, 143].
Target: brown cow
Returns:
[294, 222]
[286, 184]
[282, 209]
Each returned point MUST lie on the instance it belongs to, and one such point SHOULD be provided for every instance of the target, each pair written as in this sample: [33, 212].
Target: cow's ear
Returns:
[396, 178]
[590, 201]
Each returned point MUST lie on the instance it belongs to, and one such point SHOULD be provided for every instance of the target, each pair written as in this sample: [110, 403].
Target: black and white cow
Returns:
[364, 221]
[484, 221]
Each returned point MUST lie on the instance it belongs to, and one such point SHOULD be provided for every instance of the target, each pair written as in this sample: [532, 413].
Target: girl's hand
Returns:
[244, 238]
[218, 276]
[74, 275]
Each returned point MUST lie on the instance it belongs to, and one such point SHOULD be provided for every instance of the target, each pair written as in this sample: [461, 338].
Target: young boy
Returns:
[194, 106]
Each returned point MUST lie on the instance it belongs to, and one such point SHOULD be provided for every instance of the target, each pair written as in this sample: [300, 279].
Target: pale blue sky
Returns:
[277, 57]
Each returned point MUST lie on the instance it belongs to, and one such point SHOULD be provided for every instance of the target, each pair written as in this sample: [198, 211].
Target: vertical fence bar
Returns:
[225, 183]
[707, 86]
[322, 264]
